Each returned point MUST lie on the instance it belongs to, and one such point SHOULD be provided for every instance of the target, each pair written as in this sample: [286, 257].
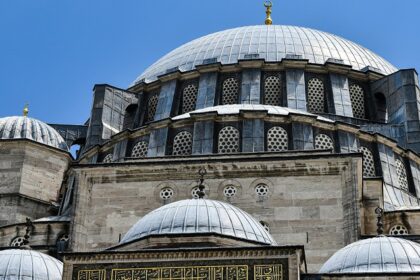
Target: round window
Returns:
[17, 241]
[398, 230]
[230, 191]
[265, 226]
[261, 190]
[166, 193]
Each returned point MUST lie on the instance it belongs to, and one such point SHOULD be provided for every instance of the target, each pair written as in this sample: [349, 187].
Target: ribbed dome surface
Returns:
[29, 128]
[272, 43]
[199, 216]
[18, 264]
[375, 255]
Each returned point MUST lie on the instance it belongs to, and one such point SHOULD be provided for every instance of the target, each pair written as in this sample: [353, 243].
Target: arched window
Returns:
[230, 90]
[381, 110]
[357, 97]
[402, 175]
[277, 139]
[398, 230]
[316, 96]
[140, 150]
[228, 140]
[272, 94]
[151, 107]
[182, 144]
[129, 115]
[368, 162]
[108, 158]
[189, 98]
[323, 142]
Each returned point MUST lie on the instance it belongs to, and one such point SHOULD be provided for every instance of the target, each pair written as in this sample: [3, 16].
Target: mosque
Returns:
[259, 152]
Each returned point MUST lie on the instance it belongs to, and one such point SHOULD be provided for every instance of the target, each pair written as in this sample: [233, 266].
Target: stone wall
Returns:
[313, 200]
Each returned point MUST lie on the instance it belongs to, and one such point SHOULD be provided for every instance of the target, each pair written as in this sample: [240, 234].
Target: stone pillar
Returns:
[107, 115]
[296, 90]
[348, 142]
[253, 136]
[303, 138]
[206, 90]
[166, 98]
[341, 95]
[203, 138]
[157, 142]
[402, 94]
[251, 86]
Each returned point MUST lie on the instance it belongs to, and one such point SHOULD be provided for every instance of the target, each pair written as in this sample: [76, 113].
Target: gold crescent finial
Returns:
[268, 5]
[25, 110]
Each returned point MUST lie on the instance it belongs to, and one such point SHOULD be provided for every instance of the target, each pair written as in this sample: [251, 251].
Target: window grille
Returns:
[398, 230]
[63, 238]
[323, 142]
[272, 93]
[230, 191]
[107, 158]
[230, 91]
[277, 139]
[261, 190]
[265, 226]
[18, 241]
[401, 174]
[194, 192]
[151, 107]
[315, 96]
[166, 193]
[189, 98]
[368, 162]
[228, 140]
[357, 98]
[140, 150]
[182, 144]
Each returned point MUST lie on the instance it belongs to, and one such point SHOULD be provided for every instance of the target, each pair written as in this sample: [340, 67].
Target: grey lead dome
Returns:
[199, 216]
[28, 128]
[270, 42]
[375, 255]
[16, 264]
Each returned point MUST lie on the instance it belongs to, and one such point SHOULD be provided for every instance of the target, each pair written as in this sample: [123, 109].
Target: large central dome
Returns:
[270, 42]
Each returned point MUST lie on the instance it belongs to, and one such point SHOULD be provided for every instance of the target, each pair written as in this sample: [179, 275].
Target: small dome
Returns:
[200, 216]
[33, 129]
[269, 42]
[28, 264]
[375, 255]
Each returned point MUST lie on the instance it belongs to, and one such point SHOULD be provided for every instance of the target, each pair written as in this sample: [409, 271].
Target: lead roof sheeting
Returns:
[270, 42]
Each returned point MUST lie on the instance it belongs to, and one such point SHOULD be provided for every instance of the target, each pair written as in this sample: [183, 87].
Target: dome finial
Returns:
[201, 187]
[268, 4]
[380, 226]
[25, 110]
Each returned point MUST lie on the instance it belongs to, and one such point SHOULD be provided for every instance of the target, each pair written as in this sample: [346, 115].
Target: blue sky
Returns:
[53, 52]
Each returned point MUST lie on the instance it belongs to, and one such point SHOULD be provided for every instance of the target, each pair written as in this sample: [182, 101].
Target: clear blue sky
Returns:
[53, 52]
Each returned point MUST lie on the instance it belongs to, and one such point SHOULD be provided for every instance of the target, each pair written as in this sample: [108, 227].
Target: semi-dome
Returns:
[375, 255]
[199, 216]
[269, 42]
[19, 264]
[33, 129]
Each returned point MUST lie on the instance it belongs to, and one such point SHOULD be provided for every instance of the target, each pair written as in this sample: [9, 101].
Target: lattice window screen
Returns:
[315, 96]
[398, 230]
[272, 94]
[277, 139]
[182, 144]
[368, 162]
[402, 174]
[189, 98]
[140, 150]
[228, 140]
[151, 107]
[230, 91]
[323, 141]
[357, 98]
[107, 158]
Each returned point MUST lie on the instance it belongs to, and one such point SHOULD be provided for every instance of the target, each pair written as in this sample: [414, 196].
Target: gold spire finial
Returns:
[268, 5]
[25, 110]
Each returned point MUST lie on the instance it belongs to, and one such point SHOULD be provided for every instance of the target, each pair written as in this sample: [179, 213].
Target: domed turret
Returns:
[375, 255]
[200, 216]
[28, 128]
[28, 264]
